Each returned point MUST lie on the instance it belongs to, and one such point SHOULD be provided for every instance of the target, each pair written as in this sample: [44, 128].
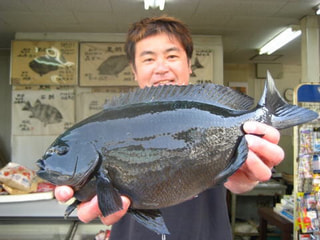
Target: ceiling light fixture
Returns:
[317, 9]
[154, 4]
[280, 40]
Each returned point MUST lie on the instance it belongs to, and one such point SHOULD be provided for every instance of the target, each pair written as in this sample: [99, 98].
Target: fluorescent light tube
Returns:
[154, 4]
[317, 9]
[280, 40]
[161, 4]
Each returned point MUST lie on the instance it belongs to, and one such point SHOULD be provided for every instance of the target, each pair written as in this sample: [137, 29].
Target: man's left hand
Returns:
[263, 155]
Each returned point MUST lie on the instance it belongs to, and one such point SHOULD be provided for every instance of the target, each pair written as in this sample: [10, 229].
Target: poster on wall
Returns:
[104, 64]
[42, 112]
[202, 66]
[44, 63]
[95, 101]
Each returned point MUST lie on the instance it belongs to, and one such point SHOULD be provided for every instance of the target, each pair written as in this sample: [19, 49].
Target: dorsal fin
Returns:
[205, 93]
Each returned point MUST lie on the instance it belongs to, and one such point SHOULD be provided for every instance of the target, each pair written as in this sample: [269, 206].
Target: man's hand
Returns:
[264, 154]
[87, 211]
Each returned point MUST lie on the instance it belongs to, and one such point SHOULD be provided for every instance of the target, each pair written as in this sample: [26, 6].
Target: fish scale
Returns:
[161, 146]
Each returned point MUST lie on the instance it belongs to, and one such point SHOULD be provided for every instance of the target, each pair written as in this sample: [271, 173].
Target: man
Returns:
[159, 51]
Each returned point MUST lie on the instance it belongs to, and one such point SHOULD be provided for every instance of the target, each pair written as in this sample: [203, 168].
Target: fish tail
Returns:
[27, 106]
[281, 114]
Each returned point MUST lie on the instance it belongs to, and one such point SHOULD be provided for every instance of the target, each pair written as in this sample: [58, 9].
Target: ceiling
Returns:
[245, 25]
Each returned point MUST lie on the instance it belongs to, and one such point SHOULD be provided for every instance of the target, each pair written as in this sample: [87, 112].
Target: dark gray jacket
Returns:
[202, 218]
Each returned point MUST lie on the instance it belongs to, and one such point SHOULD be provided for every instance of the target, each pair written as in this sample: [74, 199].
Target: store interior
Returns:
[228, 36]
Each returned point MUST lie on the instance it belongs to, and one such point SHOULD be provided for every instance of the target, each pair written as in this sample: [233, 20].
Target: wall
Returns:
[25, 154]
[212, 42]
[232, 73]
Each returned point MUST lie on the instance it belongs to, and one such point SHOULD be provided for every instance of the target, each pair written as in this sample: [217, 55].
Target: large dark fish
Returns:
[161, 146]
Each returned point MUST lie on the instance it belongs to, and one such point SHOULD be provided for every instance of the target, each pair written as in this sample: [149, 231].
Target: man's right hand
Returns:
[88, 211]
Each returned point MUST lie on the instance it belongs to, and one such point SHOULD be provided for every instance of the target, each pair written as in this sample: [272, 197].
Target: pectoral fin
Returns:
[109, 199]
[151, 219]
[237, 160]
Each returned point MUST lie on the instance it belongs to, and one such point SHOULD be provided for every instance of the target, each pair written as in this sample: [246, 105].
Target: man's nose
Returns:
[162, 66]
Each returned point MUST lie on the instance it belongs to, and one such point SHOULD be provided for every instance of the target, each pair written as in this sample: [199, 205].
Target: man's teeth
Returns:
[164, 82]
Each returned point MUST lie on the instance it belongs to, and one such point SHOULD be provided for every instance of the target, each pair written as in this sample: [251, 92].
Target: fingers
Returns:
[268, 152]
[63, 193]
[239, 183]
[264, 147]
[111, 219]
[263, 155]
[255, 170]
[87, 211]
[268, 133]
[248, 175]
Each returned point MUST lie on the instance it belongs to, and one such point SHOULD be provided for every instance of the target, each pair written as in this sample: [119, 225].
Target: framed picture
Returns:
[44, 63]
[42, 112]
[104, 64]
[202, 66]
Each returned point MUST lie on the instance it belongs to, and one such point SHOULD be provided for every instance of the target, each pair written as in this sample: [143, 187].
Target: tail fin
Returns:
[27, 106]
[283, 114]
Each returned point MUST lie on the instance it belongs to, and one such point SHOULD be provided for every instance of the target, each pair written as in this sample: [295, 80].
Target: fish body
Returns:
[42, 68]
[43, 112]
[51, 61]
[113, 65]
[162, 146]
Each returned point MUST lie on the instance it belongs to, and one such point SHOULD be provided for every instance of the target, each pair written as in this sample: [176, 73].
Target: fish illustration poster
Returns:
[202, 66]
[104, 64]
[92, 102]
[42, 112]
[44, 63]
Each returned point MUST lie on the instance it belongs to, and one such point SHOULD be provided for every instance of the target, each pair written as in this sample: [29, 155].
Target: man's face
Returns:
[161, 60]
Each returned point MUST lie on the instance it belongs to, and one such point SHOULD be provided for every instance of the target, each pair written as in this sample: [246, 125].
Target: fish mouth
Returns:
[41, 165]
[52, 176]
[43, 172]
[59, 178]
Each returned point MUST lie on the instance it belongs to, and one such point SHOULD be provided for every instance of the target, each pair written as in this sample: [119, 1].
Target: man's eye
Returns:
[172, 56]
[148, 60]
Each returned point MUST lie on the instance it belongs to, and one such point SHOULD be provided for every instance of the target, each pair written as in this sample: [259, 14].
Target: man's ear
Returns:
[133, 70]
[190, 66]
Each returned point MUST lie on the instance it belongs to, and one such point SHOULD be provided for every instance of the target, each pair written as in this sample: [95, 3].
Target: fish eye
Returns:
[61, 150]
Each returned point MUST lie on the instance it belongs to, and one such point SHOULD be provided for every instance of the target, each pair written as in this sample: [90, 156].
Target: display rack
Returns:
[307, 166]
